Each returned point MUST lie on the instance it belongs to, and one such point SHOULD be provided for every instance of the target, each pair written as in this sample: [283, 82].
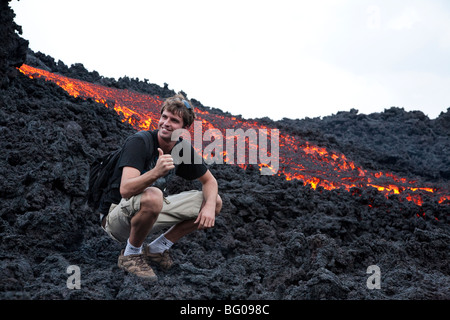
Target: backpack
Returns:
[102, 169]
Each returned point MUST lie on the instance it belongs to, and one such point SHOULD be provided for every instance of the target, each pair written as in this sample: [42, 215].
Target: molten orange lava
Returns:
[126, 102]
[298, 159]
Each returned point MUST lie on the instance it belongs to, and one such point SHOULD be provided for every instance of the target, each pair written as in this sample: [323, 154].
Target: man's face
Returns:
[168, 123]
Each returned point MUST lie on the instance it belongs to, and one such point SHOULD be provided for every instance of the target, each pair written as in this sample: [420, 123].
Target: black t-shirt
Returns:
[134, 155]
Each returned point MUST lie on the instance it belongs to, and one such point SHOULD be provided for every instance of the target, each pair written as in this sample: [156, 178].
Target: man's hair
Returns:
[179, 105]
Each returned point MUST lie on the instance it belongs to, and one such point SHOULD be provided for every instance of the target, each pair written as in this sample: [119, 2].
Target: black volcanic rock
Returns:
[275, 239]
[13, 48]
[408, 143]
[78, 71]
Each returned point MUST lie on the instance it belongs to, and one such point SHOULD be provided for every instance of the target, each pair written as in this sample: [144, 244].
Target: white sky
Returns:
[292, 59]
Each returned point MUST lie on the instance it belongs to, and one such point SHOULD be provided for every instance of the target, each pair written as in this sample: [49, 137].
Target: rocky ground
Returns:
[275, 239]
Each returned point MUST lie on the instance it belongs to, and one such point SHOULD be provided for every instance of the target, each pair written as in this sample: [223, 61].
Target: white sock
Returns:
[130, 249]
[160, 244]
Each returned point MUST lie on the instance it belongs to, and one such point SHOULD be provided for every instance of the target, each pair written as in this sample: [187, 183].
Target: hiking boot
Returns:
[162, 260]
[137, 265]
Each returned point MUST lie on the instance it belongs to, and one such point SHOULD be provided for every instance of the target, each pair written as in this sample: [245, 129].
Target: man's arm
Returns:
[207, 214]
[133, 182]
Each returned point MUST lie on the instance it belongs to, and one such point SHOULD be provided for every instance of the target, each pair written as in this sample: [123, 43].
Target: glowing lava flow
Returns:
[126, 102]
[298, 159]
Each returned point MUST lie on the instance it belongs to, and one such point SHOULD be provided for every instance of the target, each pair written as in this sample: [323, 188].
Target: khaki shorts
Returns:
[176, 208]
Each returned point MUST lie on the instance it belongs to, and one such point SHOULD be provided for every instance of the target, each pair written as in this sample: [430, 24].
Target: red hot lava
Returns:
[298, 159]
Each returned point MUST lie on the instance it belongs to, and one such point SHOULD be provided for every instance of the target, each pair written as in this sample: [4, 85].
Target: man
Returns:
[136, 207]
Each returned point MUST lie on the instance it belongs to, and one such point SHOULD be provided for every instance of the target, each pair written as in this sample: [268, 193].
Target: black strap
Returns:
[148, 139]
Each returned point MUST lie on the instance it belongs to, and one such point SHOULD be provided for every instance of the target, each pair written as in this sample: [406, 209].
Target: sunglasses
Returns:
[187, 104]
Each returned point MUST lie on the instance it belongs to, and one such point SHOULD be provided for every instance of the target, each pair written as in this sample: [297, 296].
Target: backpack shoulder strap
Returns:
[148, 139]
[147, 136]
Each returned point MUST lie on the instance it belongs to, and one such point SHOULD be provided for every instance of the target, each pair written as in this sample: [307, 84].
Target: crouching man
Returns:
[135, 207]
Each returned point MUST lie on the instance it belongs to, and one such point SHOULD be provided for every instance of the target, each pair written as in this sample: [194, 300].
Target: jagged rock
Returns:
[275, 239]
[13, 48]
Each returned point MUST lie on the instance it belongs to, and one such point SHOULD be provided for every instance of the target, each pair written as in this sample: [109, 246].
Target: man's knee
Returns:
[152, 200]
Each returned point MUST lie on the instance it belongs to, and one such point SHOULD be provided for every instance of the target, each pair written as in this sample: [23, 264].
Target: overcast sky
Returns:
[292, 59]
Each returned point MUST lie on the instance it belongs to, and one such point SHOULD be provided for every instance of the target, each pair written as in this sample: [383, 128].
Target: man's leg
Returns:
[143, 221]
[183, 228]
[132, 259]
[158, 251]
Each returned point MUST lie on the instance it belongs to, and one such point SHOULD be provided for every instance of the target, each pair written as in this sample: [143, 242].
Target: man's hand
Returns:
[206, 218]
[164, 164]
